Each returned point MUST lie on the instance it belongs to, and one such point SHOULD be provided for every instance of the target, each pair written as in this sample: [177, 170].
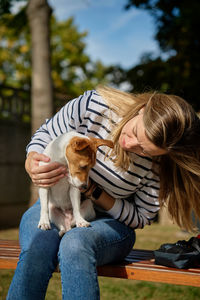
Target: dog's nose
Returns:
[84, 186]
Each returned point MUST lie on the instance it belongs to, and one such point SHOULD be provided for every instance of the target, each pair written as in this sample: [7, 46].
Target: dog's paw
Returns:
[44, 225]
[63, 230]
[82, 223]
[61, 233]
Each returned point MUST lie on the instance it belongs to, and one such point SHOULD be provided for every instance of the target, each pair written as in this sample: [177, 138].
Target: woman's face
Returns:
[133, 138]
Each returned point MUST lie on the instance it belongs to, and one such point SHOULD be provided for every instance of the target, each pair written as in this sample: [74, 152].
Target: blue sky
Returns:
[115, 36]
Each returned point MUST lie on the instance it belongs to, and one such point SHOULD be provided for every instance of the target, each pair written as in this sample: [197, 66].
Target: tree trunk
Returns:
[38, 13]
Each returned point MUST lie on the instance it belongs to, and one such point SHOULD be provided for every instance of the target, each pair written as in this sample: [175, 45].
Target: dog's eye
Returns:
[83, 167]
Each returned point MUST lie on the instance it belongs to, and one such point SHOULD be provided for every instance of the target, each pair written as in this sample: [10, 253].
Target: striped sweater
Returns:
[135, 190]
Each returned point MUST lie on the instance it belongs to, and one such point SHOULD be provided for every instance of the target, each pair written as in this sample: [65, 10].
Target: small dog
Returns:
[61, 203]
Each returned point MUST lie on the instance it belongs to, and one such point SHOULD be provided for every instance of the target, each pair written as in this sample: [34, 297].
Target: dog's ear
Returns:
[100, 142]
[79, 143]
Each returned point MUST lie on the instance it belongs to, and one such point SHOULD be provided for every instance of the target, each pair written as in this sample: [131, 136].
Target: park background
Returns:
[52, 51]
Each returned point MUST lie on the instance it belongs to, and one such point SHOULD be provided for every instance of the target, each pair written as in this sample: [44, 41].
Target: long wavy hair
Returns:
[171, 124]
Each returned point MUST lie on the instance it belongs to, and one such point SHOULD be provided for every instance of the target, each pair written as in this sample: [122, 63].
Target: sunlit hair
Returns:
[171, 124]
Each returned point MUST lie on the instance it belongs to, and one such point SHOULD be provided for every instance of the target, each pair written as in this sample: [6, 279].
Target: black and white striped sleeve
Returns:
[68, 118]
[142, 209]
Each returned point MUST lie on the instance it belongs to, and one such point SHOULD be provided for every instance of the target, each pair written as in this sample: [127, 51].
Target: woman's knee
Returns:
[28, 225]
[105, 241]
[38, 246]
[77, 245]
[41, 251]
[35, 267]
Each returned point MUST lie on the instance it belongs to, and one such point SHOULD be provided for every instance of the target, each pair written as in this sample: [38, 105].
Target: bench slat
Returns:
[9, 254]
[172, 276]
[138, 265]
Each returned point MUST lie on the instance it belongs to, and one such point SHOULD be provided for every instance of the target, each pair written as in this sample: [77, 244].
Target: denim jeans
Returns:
[78, 253]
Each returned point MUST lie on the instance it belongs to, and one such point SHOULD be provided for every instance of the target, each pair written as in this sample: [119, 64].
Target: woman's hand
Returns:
[46, 175]
[105, 201]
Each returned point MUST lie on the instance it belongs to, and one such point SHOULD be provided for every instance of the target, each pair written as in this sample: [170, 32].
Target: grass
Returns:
[119, 289]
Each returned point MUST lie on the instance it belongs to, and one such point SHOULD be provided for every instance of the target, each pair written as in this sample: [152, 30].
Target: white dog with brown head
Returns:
[61, 203]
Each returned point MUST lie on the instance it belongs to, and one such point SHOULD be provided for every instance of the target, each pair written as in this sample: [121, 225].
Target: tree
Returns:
[177, 33]
[39, 12]
[72, 69]
[17, 67]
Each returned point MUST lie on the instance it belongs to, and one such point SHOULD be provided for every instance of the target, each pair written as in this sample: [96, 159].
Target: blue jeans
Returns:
[78, 253]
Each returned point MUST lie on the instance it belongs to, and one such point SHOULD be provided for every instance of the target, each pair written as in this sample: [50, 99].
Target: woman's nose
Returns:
[132, 142]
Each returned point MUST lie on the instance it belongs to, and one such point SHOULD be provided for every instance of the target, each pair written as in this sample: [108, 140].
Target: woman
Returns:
[156, 138]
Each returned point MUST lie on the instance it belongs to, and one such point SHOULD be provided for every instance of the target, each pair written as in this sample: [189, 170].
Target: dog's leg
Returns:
[75, 197]
[87, 210]
[44, 222]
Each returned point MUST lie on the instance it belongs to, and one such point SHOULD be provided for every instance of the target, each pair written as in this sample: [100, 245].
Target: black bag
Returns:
[181, 255]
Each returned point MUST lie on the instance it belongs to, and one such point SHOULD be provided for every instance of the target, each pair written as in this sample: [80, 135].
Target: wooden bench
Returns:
[139, 265]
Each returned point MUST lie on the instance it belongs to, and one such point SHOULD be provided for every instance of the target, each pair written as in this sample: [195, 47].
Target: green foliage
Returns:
[15, 66]
[177, 24]
[6, 5]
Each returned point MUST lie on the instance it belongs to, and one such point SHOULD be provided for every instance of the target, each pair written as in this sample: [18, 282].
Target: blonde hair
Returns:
[171, 124]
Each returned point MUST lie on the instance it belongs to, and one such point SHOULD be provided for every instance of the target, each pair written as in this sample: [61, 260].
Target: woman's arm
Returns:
[137, 212]
[105, 201]
[130, 213]
[68, 118]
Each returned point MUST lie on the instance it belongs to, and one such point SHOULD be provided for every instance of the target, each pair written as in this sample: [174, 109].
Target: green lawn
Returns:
[119, 289]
